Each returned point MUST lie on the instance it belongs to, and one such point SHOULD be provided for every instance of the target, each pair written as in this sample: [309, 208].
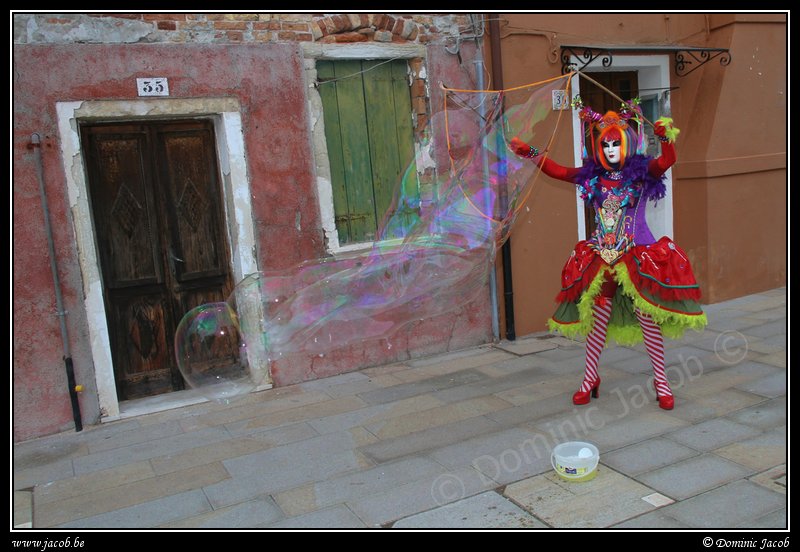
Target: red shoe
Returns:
[582, 397]
[666, 402]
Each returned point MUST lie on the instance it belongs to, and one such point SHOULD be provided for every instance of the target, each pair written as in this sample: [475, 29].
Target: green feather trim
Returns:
[568, 330]
[673, 324]
[623, 327]
[672, 132]
[586, 302]
[625, 335]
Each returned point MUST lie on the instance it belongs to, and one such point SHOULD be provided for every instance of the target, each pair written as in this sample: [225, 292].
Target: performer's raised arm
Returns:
[548, 166]
[667, 134]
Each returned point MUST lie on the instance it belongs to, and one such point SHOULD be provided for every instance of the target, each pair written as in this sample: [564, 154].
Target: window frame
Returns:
[313, 52]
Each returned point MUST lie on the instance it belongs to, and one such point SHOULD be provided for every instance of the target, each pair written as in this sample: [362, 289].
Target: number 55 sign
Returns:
[153, 86]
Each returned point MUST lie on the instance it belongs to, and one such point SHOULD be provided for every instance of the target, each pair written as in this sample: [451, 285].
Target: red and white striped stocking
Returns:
[654, 343]
[595, 342]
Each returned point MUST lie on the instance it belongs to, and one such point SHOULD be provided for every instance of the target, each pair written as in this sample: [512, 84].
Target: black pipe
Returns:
[36, 146]
[73, 394]
[497, 84]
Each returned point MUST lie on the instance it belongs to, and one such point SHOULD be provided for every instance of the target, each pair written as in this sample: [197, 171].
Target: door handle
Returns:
[172, 258]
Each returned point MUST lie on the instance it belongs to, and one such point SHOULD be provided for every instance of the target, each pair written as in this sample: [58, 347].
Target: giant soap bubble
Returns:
[430, 257]
[207, 343]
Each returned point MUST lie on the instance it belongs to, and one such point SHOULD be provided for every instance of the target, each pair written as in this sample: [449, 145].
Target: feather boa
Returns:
[635, 170]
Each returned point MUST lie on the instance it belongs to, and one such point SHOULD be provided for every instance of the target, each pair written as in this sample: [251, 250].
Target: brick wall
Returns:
[109, 28]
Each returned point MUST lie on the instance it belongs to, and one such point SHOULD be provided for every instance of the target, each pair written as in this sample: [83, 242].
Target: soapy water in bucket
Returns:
[575, 460]
[429, 258]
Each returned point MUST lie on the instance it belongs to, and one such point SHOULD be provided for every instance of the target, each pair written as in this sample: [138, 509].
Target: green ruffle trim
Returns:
[624, 327]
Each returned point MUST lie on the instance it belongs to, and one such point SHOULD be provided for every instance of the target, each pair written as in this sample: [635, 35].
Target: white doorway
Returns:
[654, 91]
[226, 116]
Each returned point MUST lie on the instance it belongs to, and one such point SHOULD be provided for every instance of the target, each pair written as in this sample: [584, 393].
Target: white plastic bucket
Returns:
[575, 460]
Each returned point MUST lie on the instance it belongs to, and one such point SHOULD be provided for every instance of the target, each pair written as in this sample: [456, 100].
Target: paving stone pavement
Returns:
[452, 441]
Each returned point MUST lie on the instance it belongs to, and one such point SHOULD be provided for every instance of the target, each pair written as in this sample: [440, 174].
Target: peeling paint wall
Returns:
[272, 110]
[62, 63]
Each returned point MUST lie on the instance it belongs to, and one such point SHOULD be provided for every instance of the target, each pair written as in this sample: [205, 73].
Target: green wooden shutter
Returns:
[367, 113]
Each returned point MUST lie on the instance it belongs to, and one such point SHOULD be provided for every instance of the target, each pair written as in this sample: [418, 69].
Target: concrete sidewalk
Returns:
[456, 440]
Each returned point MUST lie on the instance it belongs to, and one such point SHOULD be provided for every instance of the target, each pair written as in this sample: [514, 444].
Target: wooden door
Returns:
[156, 202]
[624, 84]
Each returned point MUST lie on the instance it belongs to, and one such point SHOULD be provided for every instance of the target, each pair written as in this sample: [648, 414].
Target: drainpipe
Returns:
[36, 146]
[479, 70]
[508, 285]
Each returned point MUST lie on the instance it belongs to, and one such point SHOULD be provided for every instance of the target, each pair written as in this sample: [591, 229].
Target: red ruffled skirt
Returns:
[656, 278]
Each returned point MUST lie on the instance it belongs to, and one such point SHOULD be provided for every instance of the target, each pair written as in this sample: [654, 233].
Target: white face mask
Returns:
[611, 150]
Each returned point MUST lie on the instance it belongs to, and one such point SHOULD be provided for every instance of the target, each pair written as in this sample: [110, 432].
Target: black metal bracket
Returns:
[687, 59]
[700, 56]
[589, 54]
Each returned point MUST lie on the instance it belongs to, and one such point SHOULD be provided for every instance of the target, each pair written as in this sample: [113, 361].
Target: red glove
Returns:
[665, 131]
[522, 149]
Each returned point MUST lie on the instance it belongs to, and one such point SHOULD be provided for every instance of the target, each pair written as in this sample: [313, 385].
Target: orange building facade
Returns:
[726, 204]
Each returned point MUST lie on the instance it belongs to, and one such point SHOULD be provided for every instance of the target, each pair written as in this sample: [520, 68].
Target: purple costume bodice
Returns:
[632, 208]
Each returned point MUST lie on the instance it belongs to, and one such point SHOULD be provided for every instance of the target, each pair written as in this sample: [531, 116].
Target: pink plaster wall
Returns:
[40, 396]
[268, 82]
[464, 326]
